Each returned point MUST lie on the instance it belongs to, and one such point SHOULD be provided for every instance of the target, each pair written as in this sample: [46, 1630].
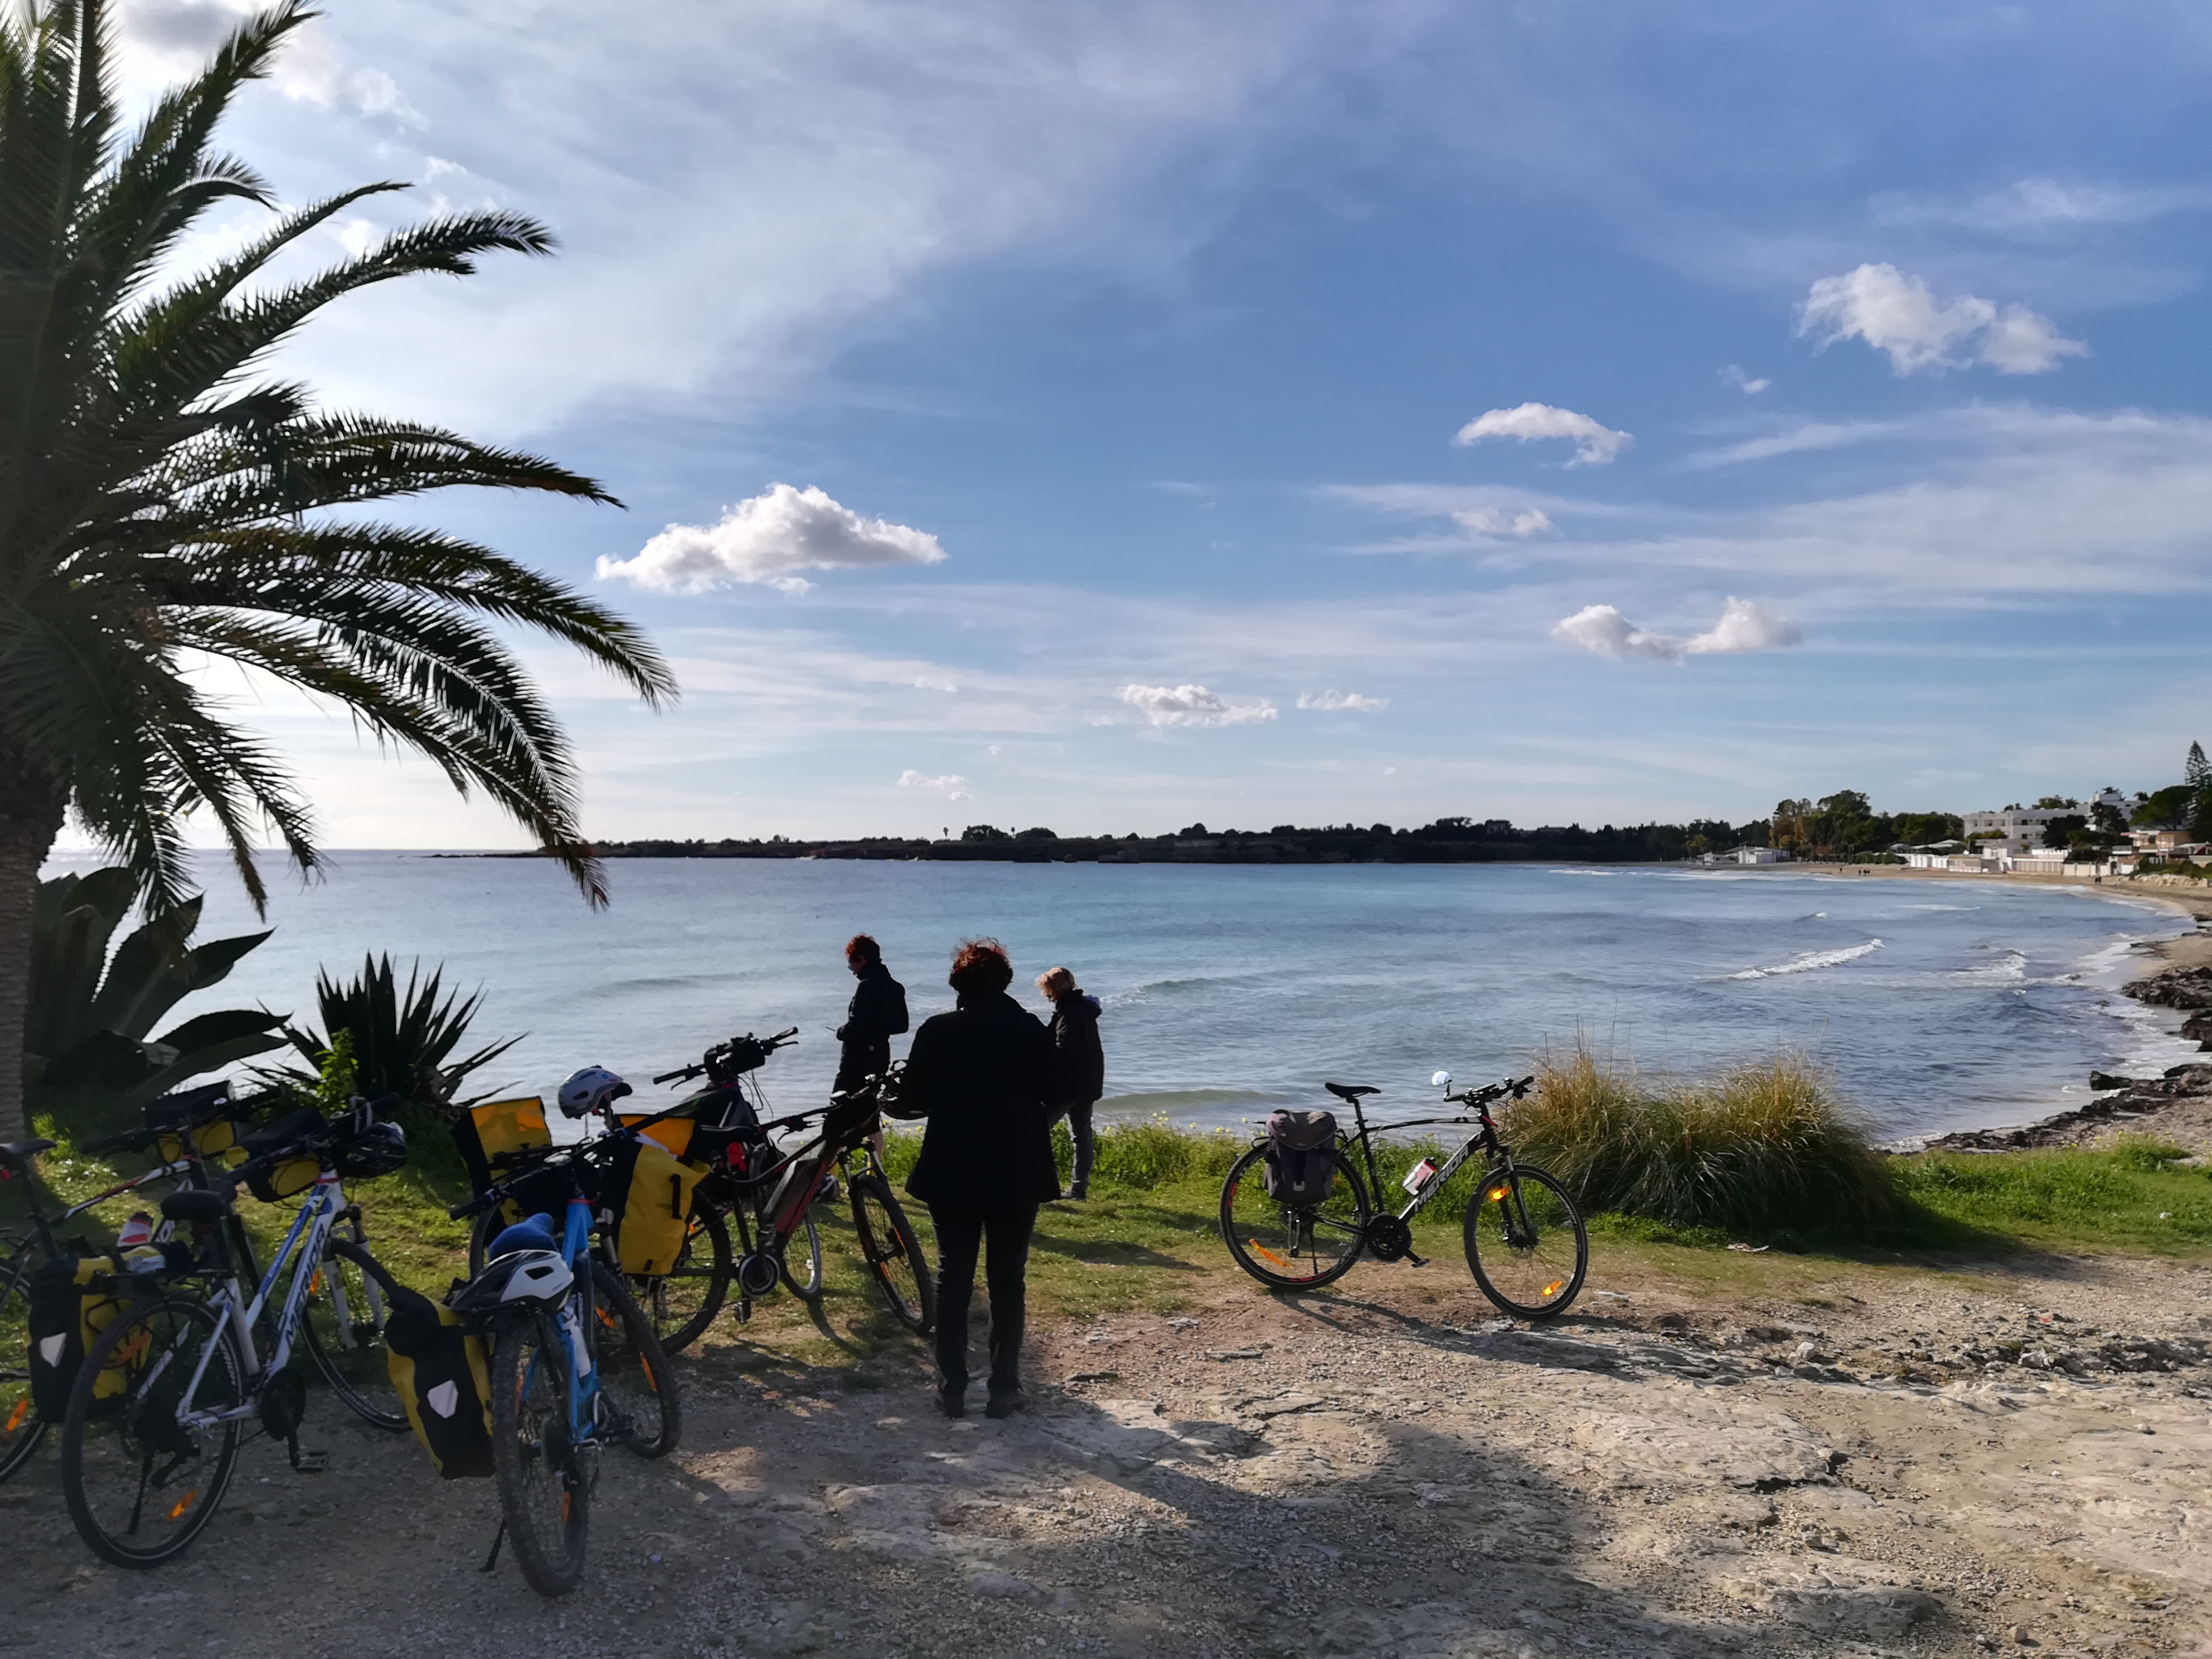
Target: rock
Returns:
[2176, 987]
[1838, 1596]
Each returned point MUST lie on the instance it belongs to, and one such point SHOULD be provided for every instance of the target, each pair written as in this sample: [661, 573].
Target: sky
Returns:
[1117, 417]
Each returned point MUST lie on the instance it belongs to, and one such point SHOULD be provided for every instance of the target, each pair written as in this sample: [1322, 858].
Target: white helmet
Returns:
[526, 1279]
[591, 1090]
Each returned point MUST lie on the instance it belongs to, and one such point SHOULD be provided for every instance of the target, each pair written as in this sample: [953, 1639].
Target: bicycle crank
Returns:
[757, 1271]
[1389, 1238]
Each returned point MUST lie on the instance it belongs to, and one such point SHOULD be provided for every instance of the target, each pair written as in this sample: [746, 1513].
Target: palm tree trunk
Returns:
[27, 835]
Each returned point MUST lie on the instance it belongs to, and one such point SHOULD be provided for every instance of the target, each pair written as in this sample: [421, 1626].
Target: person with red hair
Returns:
[983, 1077]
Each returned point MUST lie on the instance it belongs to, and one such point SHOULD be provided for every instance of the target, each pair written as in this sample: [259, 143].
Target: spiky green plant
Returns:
[163, 503]
[398, 1041]
[92, 1059]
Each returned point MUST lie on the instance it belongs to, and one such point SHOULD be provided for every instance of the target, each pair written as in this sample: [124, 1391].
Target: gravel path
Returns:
[1875, 1463]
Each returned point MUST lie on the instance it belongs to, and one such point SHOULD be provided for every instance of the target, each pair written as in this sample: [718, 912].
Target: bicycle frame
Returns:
[575, 1320]
[310, 1230]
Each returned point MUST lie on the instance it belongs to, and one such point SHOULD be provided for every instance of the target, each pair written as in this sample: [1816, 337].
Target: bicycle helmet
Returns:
[376, 1150]
[519, 1281]
[591, 1090]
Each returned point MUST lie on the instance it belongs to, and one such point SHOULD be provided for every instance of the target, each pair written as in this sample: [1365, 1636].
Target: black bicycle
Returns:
[1525, 1240]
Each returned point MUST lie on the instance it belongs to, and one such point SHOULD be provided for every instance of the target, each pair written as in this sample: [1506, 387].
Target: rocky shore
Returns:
[2176, 1106]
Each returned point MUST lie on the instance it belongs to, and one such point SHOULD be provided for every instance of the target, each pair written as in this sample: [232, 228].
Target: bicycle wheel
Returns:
[636, 1382]
[1525, 1242]
[802, 1261]
[682, 1303]
[1290, 1249]
[348, 1301]
[544, 1480]
[893, 1255]
[140, 1481]
[21, 1427]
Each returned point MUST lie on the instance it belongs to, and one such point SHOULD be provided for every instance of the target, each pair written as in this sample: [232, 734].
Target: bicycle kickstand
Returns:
[497, 1539]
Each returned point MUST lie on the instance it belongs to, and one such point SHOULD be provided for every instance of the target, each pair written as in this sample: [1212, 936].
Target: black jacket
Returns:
[983, 1076]
[876, 1015]
[1080, 1072]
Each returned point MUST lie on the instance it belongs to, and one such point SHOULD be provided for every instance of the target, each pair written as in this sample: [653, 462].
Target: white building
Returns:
[2016, 828]
[1750, 856]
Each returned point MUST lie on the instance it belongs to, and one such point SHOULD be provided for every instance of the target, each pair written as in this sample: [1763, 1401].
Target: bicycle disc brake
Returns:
[757, 1271]
[1389, 1239]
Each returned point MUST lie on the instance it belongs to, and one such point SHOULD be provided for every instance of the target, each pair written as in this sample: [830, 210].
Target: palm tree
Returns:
[163, 503]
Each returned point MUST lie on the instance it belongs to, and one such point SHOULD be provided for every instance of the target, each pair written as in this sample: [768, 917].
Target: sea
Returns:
[1228, 991]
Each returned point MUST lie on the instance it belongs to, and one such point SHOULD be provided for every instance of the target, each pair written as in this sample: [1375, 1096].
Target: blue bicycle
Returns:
[574, 1365]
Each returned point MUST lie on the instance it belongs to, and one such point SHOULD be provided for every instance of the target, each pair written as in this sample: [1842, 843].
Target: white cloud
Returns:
[951, 786]
[768, 538]
[163, 41]
[1896, 313]
[1595, 445]
[1734, 375]
[2034, 206]
[1503, 521]
[1743, 626]
[1331, 702]
[1194, 705]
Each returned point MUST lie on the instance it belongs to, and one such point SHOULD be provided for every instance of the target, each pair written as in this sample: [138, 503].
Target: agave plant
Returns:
[165, 501]
[403, 1041]
[91, 1059]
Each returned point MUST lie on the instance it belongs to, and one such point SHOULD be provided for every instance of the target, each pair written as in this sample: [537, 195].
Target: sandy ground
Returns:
[1849, 1462]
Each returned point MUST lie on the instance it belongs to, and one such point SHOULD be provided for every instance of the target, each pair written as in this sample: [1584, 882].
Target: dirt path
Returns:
[1872, 1463]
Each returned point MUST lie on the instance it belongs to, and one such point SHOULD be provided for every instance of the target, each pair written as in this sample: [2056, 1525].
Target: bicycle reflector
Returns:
[1498, 1194]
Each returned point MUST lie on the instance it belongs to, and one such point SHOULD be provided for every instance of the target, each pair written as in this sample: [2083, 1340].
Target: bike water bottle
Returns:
[1419, 1177]
[572, 1323]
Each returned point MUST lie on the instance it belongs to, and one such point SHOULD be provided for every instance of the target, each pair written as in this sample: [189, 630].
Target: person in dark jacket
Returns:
[982, 1076]
[1079, 1067]
[876, 1015]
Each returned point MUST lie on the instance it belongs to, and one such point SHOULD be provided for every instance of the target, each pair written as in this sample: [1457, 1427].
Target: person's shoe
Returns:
[1005, 1402]
[1079, 1192]
[952, 1400]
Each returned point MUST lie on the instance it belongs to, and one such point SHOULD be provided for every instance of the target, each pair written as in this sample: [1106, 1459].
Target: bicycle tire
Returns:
[893, 1255]
[682, 1303]
[533, 1465]
[362, 1382]
[1243, 1205]
[807, 1289]
[105, 1434]
[634, 1369]
[22, 1425]
[1503, 1228]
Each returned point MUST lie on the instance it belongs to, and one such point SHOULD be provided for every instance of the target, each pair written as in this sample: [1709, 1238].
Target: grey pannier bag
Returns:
[1300, 1157]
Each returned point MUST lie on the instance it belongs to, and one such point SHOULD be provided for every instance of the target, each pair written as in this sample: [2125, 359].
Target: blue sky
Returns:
[1047, 413]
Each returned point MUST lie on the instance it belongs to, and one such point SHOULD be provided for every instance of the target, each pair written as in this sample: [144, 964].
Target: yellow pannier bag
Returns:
[673, 1133]
[216, 1141]
[649, 1188]
[492, 1137]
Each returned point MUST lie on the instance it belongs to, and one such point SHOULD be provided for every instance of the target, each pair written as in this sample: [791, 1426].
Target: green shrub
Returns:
[1764, 1148]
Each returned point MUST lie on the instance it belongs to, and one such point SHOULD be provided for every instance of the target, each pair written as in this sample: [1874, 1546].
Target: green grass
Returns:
[2131, 1197]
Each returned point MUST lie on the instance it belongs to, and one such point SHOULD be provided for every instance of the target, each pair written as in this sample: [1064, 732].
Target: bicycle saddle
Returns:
[1350, 1090]
[195, 1205]
[18, 1154]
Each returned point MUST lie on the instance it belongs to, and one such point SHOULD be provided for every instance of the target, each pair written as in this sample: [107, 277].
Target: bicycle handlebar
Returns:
[1495, 1091]
[767, 1045]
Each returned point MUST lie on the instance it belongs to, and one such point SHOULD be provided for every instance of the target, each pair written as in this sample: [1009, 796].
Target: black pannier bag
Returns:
[70, 1303]
[439, 1368]
[1300, 1157]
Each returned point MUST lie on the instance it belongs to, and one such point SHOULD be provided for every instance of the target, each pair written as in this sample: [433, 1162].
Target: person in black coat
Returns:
[1079, 1067]
[876, 1015]
[982, 1075]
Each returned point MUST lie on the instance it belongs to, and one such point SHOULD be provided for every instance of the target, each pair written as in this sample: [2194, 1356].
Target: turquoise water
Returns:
[1229, 990]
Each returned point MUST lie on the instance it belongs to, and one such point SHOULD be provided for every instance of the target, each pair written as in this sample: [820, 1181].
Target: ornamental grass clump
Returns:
[1763, 1148]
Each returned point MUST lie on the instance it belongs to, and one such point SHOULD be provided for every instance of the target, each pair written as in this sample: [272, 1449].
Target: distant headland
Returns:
[1447, 840]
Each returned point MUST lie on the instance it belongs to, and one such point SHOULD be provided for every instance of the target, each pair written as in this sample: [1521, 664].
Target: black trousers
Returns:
[1002, 1238]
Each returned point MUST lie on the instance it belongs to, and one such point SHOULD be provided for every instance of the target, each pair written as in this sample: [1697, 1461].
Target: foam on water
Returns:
[1809, 961]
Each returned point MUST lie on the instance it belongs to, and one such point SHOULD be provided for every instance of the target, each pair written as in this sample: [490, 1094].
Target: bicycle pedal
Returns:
[309, 1462]
[1413, 1260]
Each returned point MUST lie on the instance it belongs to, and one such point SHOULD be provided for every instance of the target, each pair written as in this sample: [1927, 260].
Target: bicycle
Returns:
[177, 1118]
[1524, 1238]
[561, 1388]
[753, 1184]
[159, 1406]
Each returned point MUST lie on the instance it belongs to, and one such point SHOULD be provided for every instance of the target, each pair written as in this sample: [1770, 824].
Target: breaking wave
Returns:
[1808, 961]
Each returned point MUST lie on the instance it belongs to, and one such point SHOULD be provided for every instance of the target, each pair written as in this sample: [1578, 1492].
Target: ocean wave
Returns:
[1939, 907]
[1806, 962]
[1579, 873]
[2010, 969]
[1152, 987]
